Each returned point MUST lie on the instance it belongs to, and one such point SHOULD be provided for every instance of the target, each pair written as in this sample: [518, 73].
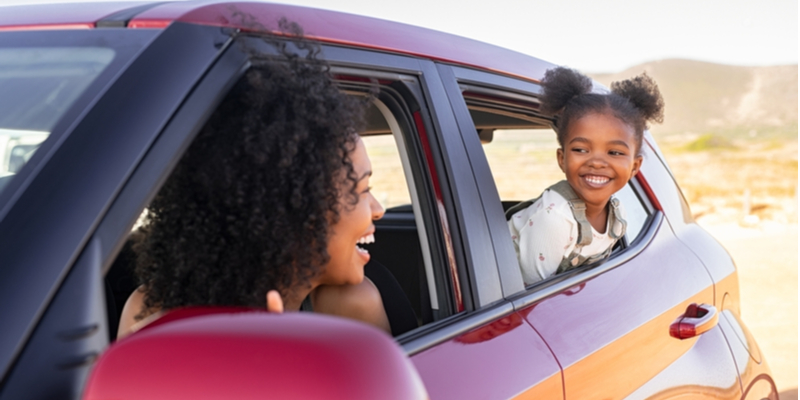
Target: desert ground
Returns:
[745, 193]
[766, 257]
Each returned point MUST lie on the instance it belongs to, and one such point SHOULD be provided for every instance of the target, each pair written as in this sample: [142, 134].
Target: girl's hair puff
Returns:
[568, 96]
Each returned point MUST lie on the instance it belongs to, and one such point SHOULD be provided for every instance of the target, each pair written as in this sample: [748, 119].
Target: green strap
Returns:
[519, 207]
[617, 225]
[578, 211]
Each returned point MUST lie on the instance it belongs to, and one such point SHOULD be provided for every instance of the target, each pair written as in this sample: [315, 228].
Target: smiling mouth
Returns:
[596, 180]
[366, 239]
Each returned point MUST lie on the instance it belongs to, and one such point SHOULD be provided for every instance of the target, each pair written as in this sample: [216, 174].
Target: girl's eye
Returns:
[579, 150]
[367, 190]
[616, 153]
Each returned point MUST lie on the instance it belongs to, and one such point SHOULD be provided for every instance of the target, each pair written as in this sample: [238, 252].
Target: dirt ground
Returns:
[766, 257]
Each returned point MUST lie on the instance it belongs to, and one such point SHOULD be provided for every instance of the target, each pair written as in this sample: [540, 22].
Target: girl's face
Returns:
[599, 157]
[347, 259]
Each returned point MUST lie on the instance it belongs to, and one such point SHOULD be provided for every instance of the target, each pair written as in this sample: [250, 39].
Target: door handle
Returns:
[698, 319]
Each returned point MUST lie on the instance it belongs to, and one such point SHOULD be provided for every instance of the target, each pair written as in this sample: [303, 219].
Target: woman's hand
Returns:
[274, 302]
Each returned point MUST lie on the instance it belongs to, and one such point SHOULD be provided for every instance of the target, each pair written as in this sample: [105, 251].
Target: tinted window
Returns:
[44, 83]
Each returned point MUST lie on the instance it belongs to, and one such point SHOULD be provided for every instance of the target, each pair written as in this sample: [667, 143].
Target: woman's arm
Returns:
[135, 303]
[361, 302]
[133, 306]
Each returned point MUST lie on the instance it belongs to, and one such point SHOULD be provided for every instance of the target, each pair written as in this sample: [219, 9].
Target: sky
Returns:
[601, 36]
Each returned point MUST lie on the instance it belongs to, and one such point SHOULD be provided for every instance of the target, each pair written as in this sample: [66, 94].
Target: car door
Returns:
[608, 325]
[51, 253]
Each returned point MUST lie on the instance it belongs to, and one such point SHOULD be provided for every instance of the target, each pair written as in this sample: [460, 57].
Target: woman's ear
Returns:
[274, 302]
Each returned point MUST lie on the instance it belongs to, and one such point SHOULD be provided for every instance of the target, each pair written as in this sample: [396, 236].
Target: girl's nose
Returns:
[377, 208]
[598, 161]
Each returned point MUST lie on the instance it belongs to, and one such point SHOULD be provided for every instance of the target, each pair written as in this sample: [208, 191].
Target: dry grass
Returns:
[722, 183]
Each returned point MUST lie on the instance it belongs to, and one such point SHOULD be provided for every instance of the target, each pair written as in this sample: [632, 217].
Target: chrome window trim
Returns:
[372, 74]
[424, 338]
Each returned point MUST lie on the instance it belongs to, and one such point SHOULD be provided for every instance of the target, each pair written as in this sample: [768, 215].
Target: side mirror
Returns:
[205, 353]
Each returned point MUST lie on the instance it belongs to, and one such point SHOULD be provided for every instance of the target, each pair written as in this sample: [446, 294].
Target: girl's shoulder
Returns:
[549, 207]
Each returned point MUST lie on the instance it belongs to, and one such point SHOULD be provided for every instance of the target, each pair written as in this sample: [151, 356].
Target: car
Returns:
[100, 100]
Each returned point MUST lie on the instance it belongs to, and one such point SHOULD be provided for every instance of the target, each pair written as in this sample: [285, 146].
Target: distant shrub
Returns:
[710, 141]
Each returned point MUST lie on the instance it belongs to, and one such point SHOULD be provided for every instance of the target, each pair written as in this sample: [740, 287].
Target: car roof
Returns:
[323, 25]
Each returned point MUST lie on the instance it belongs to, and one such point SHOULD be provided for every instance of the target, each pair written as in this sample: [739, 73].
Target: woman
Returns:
[272, 196]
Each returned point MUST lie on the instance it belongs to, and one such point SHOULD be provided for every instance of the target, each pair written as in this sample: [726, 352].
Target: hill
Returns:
[704, 97]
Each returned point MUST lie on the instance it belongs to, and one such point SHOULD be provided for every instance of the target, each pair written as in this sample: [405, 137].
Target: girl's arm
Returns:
[546, 235]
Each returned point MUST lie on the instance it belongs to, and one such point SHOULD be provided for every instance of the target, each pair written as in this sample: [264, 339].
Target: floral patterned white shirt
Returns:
[545, 233]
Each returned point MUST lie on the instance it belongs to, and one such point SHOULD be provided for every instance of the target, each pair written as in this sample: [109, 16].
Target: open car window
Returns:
[407, 243]
[520, 147]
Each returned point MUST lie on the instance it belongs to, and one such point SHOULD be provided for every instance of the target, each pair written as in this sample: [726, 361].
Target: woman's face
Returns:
[347, 259]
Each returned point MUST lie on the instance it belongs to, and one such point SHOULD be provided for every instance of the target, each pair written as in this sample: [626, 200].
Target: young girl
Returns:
[577, 221]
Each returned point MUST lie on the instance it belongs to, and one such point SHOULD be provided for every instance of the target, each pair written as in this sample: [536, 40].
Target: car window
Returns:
[635, 211]
[520, 147]
[403, 239]
[44, 81]
[389, 184]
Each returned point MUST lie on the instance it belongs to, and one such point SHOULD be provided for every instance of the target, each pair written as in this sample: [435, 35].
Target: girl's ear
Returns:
[637, 163]
[560, 157]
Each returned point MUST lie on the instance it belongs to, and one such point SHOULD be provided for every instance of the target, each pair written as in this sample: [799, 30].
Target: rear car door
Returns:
[470, 342]
[609, 324]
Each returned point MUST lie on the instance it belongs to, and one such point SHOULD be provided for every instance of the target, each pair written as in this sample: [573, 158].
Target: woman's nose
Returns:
[377, 208]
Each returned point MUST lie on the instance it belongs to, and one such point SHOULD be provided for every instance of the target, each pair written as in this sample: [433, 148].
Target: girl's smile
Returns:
[598, 158]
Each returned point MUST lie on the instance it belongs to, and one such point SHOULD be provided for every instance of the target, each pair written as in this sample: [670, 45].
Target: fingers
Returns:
[274, 302]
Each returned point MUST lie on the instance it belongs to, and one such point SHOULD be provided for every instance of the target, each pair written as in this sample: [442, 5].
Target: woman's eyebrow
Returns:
[365, 175]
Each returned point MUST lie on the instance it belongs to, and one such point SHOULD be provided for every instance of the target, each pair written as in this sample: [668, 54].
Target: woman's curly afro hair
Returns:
[567, 94]
[249, 205]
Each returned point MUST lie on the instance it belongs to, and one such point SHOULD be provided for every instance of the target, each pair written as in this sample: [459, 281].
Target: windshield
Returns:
[37, 85]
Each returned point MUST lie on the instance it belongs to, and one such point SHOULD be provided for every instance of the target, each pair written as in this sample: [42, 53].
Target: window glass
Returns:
[44, 81]
[635, 212]
[388, 178]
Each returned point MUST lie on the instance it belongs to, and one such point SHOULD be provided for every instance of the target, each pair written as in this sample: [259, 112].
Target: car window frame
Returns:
[517, 89]
[475, 287]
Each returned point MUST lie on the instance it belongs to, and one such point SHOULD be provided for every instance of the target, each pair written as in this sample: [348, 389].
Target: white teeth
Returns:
[367, 239]
[597, 179]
